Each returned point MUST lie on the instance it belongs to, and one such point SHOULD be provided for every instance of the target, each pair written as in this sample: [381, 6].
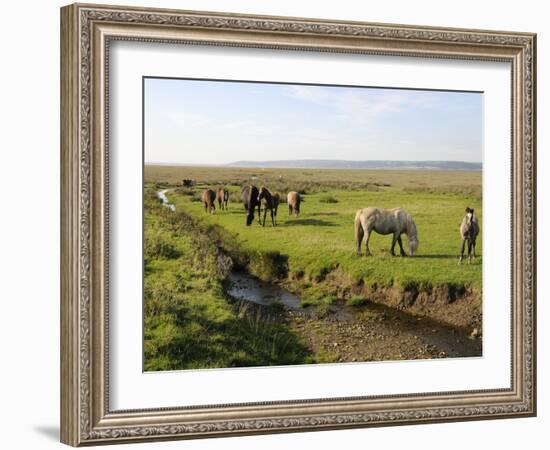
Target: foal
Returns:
[271, 202]
[469, 229]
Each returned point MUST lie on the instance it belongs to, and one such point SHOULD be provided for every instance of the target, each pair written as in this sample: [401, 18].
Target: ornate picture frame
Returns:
[86, 34]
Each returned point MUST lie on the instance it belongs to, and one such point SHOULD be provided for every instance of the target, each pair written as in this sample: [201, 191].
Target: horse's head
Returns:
[262, 193]
[469, 222]
[412, 236]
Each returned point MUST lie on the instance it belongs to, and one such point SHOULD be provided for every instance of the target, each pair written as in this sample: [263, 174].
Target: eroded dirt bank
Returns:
[369, 332]
[456, 306]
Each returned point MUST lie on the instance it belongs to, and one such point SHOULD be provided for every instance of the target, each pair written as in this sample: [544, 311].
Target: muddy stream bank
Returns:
[370, 332]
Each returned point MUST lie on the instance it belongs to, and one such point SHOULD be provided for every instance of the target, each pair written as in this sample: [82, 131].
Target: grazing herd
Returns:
[382, 221]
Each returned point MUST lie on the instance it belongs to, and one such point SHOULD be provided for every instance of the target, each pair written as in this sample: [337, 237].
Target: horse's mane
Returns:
[411, 226]
[412, 234]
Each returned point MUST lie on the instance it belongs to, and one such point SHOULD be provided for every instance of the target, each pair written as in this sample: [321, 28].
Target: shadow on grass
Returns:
[314, 222]
[332, 213]
[438, 256]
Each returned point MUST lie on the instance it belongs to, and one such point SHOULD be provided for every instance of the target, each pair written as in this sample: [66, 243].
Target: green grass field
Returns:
[322, 238]
[189, 322]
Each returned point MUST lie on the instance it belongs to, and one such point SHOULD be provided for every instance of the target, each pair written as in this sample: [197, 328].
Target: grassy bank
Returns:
[188, 321]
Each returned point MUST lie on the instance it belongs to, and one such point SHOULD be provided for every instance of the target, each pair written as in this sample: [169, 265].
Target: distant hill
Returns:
[343, 164]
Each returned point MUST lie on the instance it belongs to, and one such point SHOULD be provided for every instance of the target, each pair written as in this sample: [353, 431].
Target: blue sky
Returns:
[217, 122]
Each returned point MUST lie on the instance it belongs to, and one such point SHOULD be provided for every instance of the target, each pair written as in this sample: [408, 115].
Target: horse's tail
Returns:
[359, 231]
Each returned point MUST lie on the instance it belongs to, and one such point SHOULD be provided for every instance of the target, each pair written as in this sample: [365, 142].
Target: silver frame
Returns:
[86, 32]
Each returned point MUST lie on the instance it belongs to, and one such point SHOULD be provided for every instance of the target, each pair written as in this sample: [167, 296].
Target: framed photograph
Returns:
[276, 224]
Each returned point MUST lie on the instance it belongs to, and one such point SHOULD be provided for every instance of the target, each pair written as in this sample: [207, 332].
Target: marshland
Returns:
[219, 293]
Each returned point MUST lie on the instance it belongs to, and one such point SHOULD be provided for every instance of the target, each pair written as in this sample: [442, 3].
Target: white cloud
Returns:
[361, 105]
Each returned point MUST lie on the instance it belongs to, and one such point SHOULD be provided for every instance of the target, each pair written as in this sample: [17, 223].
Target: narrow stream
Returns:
[454, 343]
[244, 287]
[164, 199]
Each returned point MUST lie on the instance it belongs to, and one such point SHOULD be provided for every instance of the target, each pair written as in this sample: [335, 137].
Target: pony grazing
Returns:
[209, 198]
[293, 199]
[223, 198]
[469, 229]
[271, 202]
[249, 197]
[386, 221]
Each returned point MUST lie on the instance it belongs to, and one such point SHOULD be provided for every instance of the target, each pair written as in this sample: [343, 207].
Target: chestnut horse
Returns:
[223, 197]
[208, 198]
[293, 199]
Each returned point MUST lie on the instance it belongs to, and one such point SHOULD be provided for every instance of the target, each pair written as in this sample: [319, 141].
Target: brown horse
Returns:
[271, 202]
[209, 198]
[293, 199]
[223, 197]
[469, 229]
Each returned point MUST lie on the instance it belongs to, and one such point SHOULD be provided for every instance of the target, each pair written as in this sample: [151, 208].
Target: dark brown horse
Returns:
[209, 198]
[249, 197]
[271, 202]
[293, 199]
[223, 198]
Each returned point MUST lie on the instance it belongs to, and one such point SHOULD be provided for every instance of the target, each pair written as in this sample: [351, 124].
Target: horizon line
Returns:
[316, 159]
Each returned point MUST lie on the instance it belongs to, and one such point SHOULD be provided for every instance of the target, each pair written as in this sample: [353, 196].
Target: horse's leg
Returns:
[393, 241]
[272, 218]
[359, 239]
[462, 251]
[265, 214]
[367, 251]
[400, 242]
[469, 251]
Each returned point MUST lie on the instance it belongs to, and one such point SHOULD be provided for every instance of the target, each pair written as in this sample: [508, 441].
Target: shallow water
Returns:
[244, 287]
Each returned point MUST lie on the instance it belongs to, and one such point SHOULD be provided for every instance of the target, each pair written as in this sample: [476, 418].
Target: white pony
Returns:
[386, 221]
